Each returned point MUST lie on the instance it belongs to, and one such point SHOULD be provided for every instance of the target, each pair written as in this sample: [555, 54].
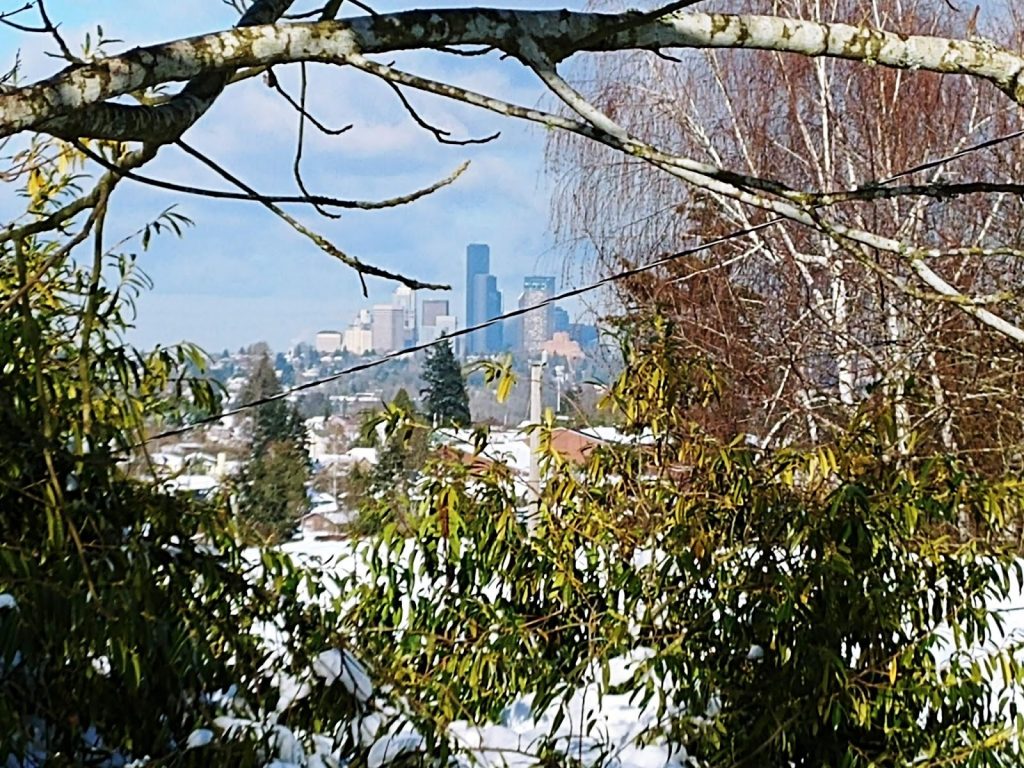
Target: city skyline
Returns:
[409, 319]
[240, 276]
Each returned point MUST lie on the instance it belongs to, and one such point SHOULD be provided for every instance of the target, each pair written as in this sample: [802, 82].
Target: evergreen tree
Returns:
[403, 450]
[445, 395]
[272, 496]
[287, 370]
[262, 381]
[401, 455]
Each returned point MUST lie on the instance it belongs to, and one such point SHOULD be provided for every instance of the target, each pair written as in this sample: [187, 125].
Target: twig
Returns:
[361, 268]
[440, 134]
[274, 83]
[51, 28]
[297, 165]
[364, 205]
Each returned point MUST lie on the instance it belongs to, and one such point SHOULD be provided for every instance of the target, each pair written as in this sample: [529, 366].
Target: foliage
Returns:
[356, 489]
[125, 610]
[445, 398]
[273, 496]
[272, 487]
[401, 454]
[807, 328]
[809, 607]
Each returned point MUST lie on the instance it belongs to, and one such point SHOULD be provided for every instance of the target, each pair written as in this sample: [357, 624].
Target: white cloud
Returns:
[242, 275]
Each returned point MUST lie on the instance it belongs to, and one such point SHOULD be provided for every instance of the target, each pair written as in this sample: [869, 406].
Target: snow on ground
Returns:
[595, 726]
[591, 725]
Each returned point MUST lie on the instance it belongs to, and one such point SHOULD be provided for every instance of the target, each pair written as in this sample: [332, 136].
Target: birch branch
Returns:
[73, 102]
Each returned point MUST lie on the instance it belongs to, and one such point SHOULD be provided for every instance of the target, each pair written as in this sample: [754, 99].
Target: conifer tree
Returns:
[272, 495]
[402, 452]
[445, 397]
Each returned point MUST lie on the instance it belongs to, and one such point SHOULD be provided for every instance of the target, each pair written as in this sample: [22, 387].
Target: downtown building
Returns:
[483, 302]
[388, 328]
[437, 320]
[405, 297]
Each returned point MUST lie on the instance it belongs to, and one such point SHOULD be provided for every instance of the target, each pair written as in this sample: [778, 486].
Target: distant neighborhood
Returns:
[334, 414]
[211, 458]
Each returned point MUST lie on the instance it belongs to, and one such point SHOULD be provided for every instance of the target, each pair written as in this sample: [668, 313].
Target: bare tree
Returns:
[807, 116]
[808, 323]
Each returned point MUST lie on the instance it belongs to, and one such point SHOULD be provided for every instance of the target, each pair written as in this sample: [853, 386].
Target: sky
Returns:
[241, 275]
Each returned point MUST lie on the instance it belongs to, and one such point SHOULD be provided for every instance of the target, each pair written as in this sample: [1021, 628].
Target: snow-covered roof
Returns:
[369, 455]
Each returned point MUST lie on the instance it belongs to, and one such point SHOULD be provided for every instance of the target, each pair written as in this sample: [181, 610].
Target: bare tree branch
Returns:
[323, 200]
[72, 103]
[361, 267]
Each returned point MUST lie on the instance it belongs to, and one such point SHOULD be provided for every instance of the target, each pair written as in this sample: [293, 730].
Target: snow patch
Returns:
[199, 738]
[387, 749]
[343, 666]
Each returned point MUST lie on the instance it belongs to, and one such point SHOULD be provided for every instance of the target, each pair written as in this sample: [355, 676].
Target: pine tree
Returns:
[445, 395]
[272, 495]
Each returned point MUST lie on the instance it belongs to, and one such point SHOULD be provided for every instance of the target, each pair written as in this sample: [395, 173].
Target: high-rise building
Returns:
[478, 265]
[538, 325]
[432, 309]
[388, 328]
[433, 312]
[483, 301]
[357, 340]
[586, 334]
[358, 337]
[488, 340]
[328, 342]
[405, 297]
[512, 331]
[560, 320]
[444, 325]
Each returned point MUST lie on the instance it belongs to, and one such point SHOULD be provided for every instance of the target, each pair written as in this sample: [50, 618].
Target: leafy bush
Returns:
[126, 614]
[816, 606]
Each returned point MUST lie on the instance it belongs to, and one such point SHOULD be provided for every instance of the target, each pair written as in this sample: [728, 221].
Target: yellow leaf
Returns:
[35, 183]
[504, 388]
[892, 671]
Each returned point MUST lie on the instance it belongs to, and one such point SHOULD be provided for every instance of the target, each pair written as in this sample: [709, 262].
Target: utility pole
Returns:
[536, 370]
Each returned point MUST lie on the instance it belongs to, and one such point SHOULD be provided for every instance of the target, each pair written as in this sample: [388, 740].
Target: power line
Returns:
[568, 294]
[929, 164]
[572, 292]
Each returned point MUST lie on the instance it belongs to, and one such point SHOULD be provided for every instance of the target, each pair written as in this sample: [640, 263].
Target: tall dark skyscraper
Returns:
[483, 301]
[478, 263]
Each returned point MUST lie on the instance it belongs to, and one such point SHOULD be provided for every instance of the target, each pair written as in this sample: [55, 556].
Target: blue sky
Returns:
[242, 275]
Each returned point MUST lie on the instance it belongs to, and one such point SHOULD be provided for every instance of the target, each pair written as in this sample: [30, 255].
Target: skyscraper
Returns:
[483, 301]
[436, 320]
[405, 297]
[388, 328]
[559, 319]
[538, 325]
[495, 333]
[432, 309]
